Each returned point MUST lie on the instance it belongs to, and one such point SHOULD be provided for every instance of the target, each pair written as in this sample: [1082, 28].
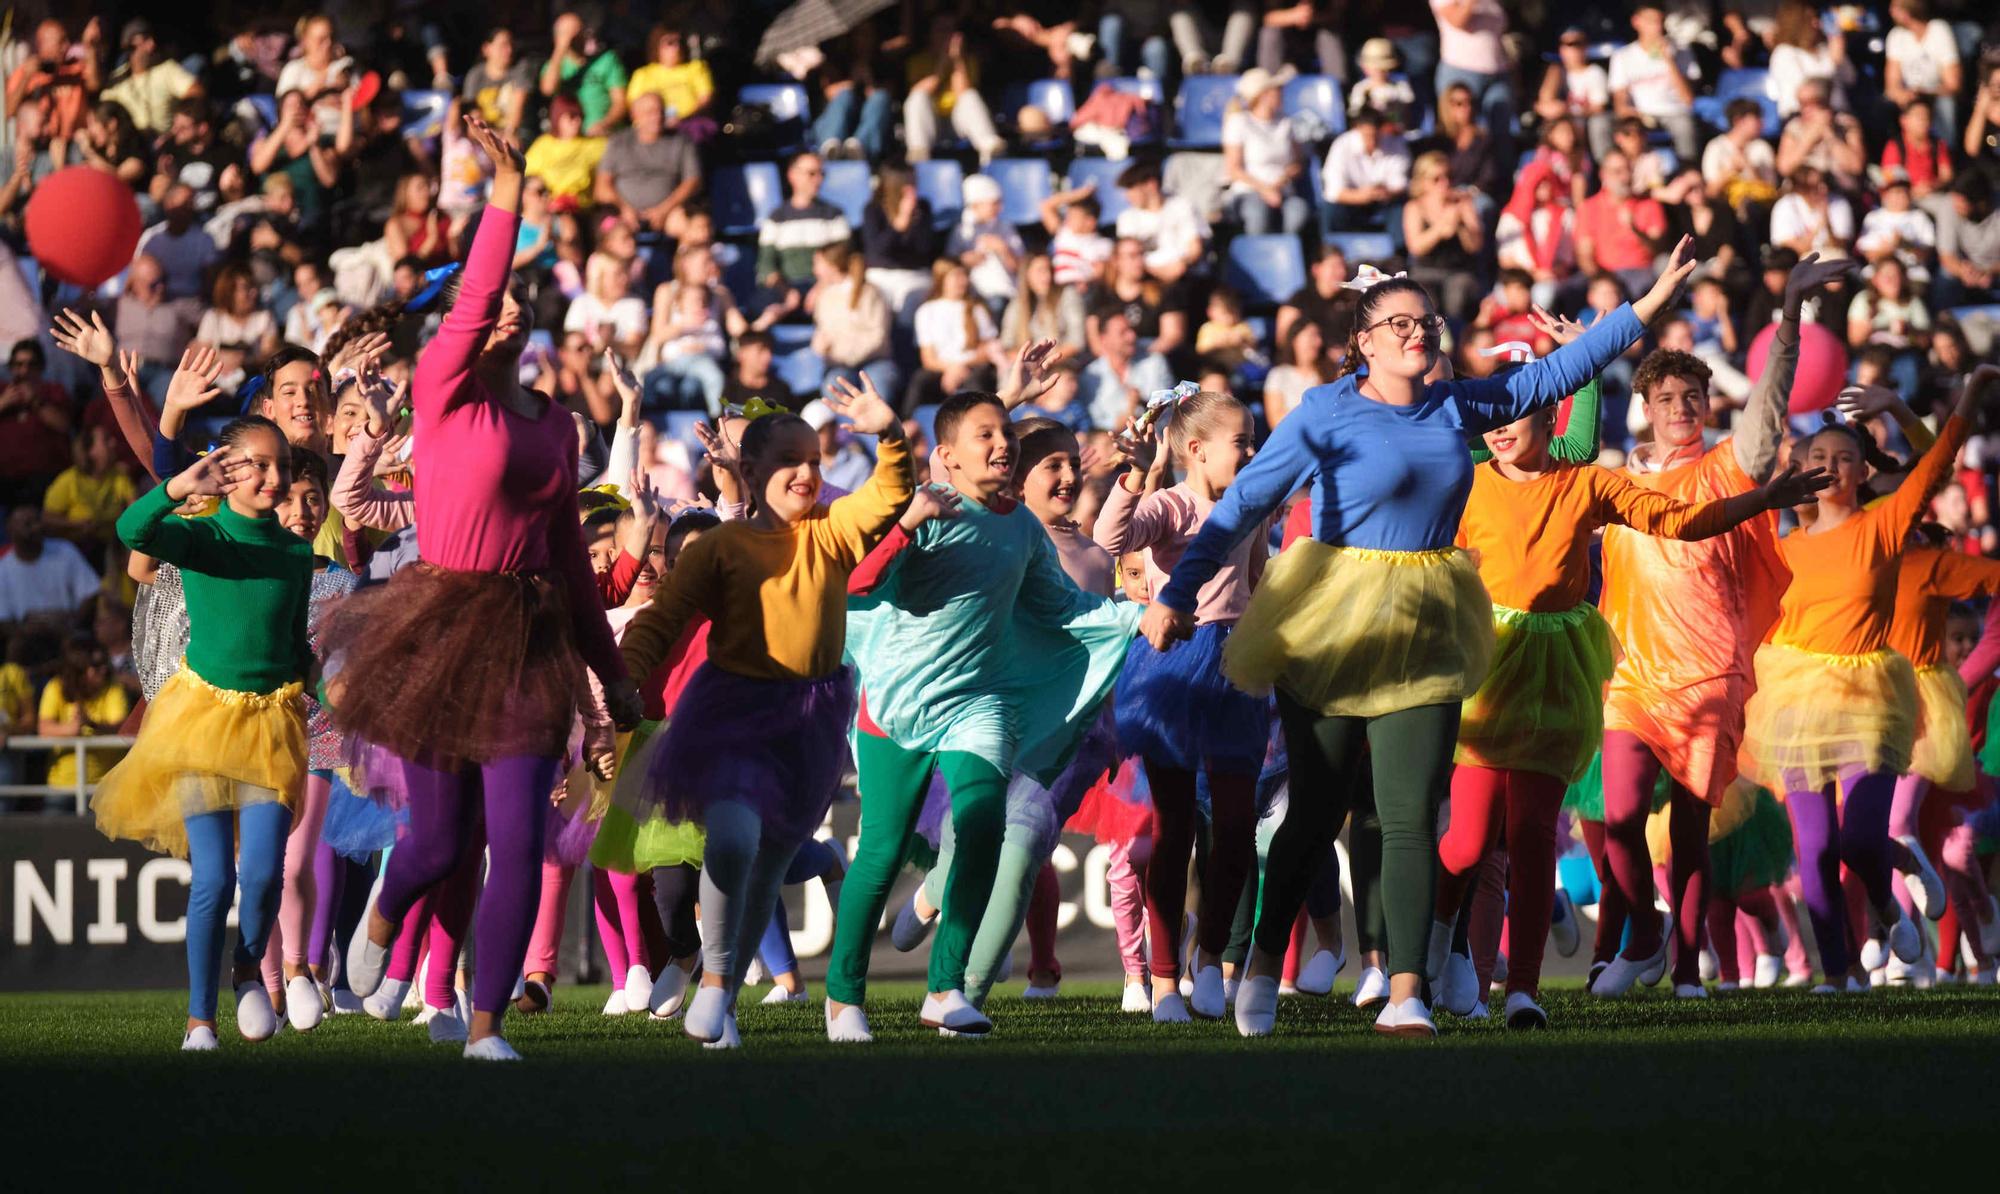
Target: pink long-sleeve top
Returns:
[362, 500]
[496, 490]
[1162, 526]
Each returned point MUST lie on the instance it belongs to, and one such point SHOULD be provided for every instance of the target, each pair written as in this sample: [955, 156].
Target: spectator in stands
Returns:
[1302, 364]
[1118, 382]
[499, 84]
[1078, 250]
[34, 428]
[957, 341]
[986, 243]
[151, 325]
[1171, 235]
[1822, 138]
[1802, 51]
[563, 157]
[649, 173]
[852, 321]
[1618, 232]
[899, 241]
[1561, 151]
[1472, 158]
[843, 463]
[191, 156]
[1715, 229]
[1443, 235]
[110, 143]
[1132, 36]
[237, 325]
[1652, 79]
[297, 149]
[1366, 176]
[1323, 299]
[320, 72]
[1261, 160]
[607, 312]
[1810, 218]
[83, 699]
[1575, 87]
[1982, 132]
[86, 499]
[1472, 53]
[1968, 238]
[693, 318]
[1920, 63]
[1537, 234]
[1043, 308]
[1380, 89]
[802, 225]
[49, 91]
[855, 109]
[41, 579]
[1156, 312]
[577, 381]
[1888, 314]
[416, 228]
[1225, 339]
[753, 377]
[149, 83]
[944, 86]
[1924, 158]
[1308, 29]
[1739, 167]
[1650, 167]
[684, 85]
[584, 68]
[181, 246]
[1899, 229]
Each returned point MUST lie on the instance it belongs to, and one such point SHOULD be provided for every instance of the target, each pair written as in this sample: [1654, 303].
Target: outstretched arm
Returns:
[445, 365]
[1763, 428]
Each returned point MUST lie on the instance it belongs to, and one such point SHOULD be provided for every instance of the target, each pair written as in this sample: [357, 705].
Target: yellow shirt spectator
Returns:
[102, 714]
[78, 497]
[567, 165]
[682, 89]
[17, 700]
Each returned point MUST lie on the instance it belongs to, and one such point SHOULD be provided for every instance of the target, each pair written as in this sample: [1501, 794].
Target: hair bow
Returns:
[755, 409]
[608, 496]
[434, 280]
[1368, 277]
[1517, 351]
[1163, 401]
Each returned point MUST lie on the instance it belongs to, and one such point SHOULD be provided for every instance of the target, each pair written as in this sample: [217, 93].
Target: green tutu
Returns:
[1584, 800]
[1758, 853]
[625, 843]
[1541, 706]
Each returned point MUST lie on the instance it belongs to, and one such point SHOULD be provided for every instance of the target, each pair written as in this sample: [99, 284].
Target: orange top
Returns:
[1533, 537]
[1928, 581]
[1843, 590]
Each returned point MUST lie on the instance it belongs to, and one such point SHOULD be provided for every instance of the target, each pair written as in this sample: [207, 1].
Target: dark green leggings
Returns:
[1411, 752]
[1364, 861]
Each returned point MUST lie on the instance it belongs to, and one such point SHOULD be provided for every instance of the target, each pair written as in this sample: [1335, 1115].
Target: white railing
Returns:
[80, 790]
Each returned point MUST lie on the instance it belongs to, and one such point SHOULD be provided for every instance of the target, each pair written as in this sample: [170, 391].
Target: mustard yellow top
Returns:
[777, 598]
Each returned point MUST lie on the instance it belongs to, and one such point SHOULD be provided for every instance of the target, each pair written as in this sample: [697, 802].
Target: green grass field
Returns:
[1770, 1089]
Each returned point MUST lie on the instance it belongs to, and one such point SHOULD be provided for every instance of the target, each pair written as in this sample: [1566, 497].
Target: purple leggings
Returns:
[329, 869]
[445, 806]
[1830, 832]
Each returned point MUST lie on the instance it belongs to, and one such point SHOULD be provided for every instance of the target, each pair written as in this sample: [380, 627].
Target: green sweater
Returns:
[248, 583]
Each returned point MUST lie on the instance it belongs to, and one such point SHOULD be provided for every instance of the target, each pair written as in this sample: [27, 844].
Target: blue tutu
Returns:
[357, 827]
[1175, 708]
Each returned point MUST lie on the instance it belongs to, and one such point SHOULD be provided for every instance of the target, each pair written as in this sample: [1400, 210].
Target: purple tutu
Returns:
[1176, 708]
[778, 746]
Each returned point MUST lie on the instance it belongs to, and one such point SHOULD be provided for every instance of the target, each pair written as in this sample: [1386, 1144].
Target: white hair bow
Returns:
[1518, 351]
[1368, 277]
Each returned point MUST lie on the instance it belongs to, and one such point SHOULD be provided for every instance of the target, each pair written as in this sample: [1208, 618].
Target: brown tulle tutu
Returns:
[455, 667]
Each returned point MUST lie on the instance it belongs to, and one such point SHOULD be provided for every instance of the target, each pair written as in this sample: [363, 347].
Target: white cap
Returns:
[980, 188]
[818, 414]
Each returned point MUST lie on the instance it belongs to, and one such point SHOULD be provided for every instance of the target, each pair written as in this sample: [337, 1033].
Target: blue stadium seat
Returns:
[1147, 89]
[802, 371]
[1199, 109]
[787, 336]
[787, 101]
[926, 417]
[1052, 96]
[743, 196]
[1265, 270]
[1104, 172]
[739, 270]
[941, 183]
[1024, 183]
[1374, 248]
[848, 186]
[424, 113]
[1319, 94]
[1753, 81]
[266, 107]
[679, 424]
[1976, 311]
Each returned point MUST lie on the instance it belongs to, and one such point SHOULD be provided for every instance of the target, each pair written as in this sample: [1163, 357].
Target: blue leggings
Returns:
[815, 860]
[212, 851]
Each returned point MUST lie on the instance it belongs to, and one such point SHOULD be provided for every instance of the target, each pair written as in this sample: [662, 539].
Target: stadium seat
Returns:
[1024, 183]
[1053, 97]
[266, 108]
[1374, 248]
[941, 183]
[786, 101]
[680, 426]
[1319, 94]
[787, 336]
[743, 196]
[1146, 89]
[801, 370]
[1198, 111]
[1265, 270]
[848, 186]
[424, 113]
[1753, 81]
[926, 417]
[1104, 172]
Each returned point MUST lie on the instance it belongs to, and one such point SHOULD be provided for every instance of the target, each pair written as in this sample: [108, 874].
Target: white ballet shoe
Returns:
[753, 974]
[1052, 991]
[1767, 972]
[1229, 988]
[1257, 1006]
[366, 961]
[199, 1039]
[491, 1048]
[1657, 970]
[302, 1005]
[730, 1038]
[424, 1016]
[347, 1003]
[1372, 989]
[952, 1014]
[1708, 966]
[1209, 1002]
[1919, 975]
[1619, 976]
[1690, 991]
[1797, 980]
[1524, 1013]
[1410, 1018]
[850, 1027]
[255, 1019]
[1904, 941]
[638, 986]
[1563, 929]
[1926, 889]
[1172, 1009]
[1437, 950]
[448, 1027]
[910, 928]
[707, 1013]
[615, 1005]
[1458, 991]
[668, 993]
[1874, 954]
[1317, 975]
[778, 995]
[1138, 998]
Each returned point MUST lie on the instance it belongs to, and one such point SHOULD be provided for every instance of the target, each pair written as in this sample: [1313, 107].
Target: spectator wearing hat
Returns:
[843, 463]
[985, 242]
[1968, 238]
[1260, 159]
[1652, 79]
[564, 157]
[1167, 228]
[1822, 138]
[1898, 229]
[649, 172]
[1574, 86]
[1366, 176]
[1472, 52]
[1920, 62]
[1380, 89]
[148, 84]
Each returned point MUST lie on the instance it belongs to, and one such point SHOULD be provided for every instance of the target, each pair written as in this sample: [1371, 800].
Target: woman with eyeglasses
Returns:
[1374, 630]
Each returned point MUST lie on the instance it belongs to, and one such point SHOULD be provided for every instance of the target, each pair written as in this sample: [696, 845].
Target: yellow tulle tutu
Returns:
[1943, 750]
[1542, 705]
[1816, 715]
[197, 749]
[1357, 632]
[635, 836]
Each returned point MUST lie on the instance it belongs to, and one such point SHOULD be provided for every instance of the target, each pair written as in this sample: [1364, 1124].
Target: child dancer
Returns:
[1749, 854]
[459, 679]
[1834, 715]
[1376, 628]
[1176, 711]
[755, 746]
[978, 657]
[220, 758]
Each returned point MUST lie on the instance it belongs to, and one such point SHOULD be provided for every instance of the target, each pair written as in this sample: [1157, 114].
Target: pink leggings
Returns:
[546, 943]
[289, 936]
[435, 928]
[1124, 876]
[1739, 923]
[620, 927]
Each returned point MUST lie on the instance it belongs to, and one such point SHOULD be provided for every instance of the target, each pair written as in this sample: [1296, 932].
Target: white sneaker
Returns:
[255, 1018]
[778, 995]
[492, 1048]
[447, 1027]
[1618, 977]
[199, 1039]
[1523, 1012]
[669, 992]
[1904, 941]
[1437, 950]
[753, 974]
[616, 1005]
[1563, 929]
[1052, 991]
[1874, 954]
[302, 1005]
[1707, 965]
[1317, 975]
[730, 1038]
[1926, 889]
[707, 1013]
[1208, 1002]
[910, 929]
[850, 1027]
[1690, 991]
[1138, 998]
[1372, 989]
[1458, 990]
[1171, 1009]
[346, 1003]
[1410, 1018]
[1769, 969]
[1257, 1006]
[638, 987]
[954, 1015]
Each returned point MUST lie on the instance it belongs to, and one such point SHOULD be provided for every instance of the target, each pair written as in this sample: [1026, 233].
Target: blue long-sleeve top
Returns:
[1394, 478]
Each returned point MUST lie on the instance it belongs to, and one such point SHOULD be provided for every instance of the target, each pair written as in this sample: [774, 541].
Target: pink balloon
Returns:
[1822, 367]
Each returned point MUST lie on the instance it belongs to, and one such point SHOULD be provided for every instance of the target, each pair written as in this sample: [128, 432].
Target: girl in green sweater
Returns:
[221, 754]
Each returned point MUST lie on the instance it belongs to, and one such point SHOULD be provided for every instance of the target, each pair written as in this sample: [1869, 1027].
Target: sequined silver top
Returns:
[159, 629]
[323, 744]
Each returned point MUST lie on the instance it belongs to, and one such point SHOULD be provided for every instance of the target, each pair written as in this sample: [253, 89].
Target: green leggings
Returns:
[893, 784]
[1411, 751]
[1023, 851]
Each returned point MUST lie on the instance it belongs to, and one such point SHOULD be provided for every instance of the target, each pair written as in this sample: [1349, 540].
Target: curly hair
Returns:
[1663, 363]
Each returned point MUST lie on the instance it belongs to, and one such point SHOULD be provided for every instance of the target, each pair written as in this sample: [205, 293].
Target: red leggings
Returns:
[1529, 802]
[1630, 771]
[1610, 901]
[1232, 853]
[1044, 901]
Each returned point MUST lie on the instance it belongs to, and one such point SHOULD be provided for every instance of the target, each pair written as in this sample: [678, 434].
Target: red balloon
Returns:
[1822, 367]
[83, 225]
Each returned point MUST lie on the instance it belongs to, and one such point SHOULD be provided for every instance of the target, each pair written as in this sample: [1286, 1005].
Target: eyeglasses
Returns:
[1402, 325]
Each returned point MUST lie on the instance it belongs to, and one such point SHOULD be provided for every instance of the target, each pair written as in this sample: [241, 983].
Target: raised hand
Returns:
[211, 476]
[128, 365]
[929, 502]
[723, 455]
[864, 408]
[1810, 275]
[1679, 268]
[1031, 373]
[360, 354]
[1138, 445]
[625, 383]
[382, 407]
[1794, 488]
[1866, 402]
[499, 149]
[1559, 328]
[645, 499]
[86, 338]
[193, 384]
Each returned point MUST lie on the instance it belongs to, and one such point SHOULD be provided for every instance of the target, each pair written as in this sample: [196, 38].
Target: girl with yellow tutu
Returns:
[221, 756]
[1834, 717]
[1375, 630]
[1534, 724]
